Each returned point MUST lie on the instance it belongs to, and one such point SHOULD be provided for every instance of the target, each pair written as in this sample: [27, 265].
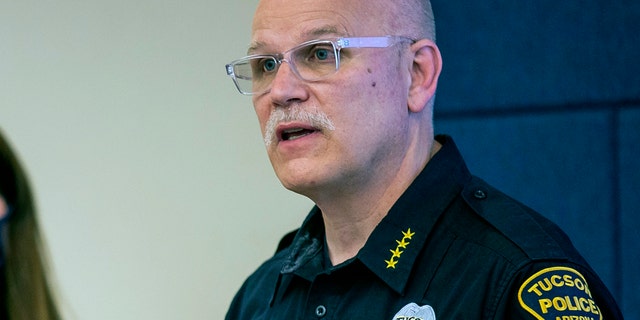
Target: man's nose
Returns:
[287, 85]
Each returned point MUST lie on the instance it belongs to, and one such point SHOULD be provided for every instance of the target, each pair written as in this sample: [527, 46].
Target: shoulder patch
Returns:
[558, 293]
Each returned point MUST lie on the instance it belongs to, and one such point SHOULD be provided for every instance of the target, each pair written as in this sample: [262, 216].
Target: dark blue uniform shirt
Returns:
[452, 247]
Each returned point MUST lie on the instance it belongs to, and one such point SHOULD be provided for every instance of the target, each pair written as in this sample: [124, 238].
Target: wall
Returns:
[152, 182]
[156, 196]
[543, 98]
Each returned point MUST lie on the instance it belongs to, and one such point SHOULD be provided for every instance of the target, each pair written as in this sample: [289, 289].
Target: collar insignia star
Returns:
[396, 253]
[402, 244]
[408, 234]
[391, 263]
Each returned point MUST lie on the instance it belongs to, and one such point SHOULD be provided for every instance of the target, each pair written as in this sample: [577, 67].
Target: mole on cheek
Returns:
[373, 84]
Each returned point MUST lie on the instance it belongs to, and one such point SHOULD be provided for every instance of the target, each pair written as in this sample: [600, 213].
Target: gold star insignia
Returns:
[402, 244]
[391, 263]
[408, 234]
[396, 253]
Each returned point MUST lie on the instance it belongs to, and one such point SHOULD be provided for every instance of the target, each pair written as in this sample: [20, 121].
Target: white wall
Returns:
[155, 193]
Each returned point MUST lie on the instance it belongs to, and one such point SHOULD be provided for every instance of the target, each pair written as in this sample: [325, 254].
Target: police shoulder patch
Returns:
[558, 293]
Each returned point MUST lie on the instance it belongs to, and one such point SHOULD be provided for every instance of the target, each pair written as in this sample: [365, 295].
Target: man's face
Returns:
[365, 102]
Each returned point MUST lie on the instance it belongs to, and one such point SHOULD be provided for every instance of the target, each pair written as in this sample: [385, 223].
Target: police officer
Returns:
[344, 94]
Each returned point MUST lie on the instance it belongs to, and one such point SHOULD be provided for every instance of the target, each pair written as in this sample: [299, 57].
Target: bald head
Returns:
[413, 18]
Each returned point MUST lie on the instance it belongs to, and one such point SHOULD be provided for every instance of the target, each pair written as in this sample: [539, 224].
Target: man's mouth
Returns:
[293, 123]
[295, 133]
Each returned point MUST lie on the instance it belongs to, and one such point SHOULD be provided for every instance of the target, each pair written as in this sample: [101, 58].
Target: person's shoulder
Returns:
[271, 267]
[274, 263]
[550, 279]
[286, 241]
[537, 237]
[260, 285]
[561, 290]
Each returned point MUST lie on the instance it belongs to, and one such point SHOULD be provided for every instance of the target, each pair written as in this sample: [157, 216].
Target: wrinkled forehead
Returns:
[285, 23]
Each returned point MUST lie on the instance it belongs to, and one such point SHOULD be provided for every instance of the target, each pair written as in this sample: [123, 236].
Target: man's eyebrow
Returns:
[254, 46]
[323, 31]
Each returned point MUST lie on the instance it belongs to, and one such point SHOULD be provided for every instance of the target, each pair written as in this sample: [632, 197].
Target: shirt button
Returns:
[479, 194]
[321, 311]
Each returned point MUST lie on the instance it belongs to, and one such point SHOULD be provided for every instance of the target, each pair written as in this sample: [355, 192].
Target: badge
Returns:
[414, 312]
[558, 293]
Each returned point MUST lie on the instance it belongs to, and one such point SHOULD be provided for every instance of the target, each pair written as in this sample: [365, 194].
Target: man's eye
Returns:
[269, 65]
[321, 54]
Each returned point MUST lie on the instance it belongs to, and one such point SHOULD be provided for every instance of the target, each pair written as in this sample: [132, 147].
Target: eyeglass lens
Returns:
[310, 61]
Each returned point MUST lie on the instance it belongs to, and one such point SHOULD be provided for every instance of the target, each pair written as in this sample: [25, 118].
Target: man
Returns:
[344, 94]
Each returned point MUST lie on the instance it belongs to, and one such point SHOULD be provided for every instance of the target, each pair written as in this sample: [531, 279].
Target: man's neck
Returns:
[350, 218]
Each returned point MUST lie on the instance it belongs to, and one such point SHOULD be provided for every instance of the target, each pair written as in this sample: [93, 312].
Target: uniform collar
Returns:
[394, 245]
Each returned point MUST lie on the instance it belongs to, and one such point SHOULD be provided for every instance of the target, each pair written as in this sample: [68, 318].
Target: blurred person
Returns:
[344, 94]
[25, 292]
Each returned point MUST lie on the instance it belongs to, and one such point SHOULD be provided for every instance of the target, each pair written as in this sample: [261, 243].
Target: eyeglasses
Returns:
[310, 61]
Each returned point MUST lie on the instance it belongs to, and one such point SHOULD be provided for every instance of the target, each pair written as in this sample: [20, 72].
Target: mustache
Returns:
[314, 117]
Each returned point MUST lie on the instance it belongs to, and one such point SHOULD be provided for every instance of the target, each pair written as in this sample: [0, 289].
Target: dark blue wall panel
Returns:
[543, 52]
[543, 98]
[630, 209]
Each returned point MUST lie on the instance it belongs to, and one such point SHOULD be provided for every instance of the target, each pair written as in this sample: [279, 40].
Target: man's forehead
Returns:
[299, 18]
[268, 41]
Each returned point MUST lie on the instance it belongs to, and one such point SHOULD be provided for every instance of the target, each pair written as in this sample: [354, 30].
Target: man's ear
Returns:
[427, 64]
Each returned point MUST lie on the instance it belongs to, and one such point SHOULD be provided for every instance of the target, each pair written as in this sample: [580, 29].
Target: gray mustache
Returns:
[313, 117]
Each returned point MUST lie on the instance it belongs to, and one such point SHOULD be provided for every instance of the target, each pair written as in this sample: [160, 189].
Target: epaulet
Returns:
[286, 241]
[537, 236]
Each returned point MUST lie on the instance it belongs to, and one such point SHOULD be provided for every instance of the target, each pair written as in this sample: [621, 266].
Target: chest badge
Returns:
[397, 252]
[414, 312]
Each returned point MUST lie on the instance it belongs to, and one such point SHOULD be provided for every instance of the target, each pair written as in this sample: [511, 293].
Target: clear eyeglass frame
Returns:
[310, 61]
